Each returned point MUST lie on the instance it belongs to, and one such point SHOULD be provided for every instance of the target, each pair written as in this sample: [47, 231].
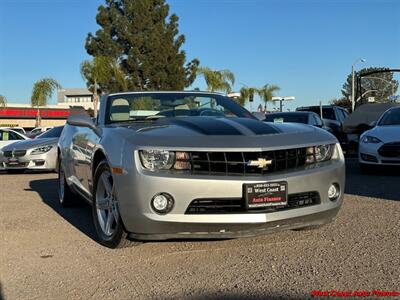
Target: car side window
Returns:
[312, 119]
[339, 115]
[9, 136]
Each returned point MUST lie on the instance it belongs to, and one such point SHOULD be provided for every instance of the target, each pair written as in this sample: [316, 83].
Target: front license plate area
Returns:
[265, 194]
[13, 162]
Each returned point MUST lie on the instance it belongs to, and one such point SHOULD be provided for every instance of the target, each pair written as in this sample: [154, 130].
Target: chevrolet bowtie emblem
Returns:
[260, 162]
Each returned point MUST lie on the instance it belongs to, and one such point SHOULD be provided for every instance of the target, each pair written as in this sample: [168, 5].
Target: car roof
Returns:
[291, 113]
[167, 92]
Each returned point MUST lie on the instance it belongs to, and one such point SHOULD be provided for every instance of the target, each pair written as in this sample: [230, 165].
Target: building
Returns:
[24, 115]
[75, 97]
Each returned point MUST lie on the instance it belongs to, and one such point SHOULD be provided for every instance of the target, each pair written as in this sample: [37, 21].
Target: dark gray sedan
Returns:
[167, 165]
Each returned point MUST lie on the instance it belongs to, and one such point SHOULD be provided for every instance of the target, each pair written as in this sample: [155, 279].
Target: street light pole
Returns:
[281, 99]
[352, 82]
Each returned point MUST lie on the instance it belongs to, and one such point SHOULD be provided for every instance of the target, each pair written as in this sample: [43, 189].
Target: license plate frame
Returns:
[265, 194]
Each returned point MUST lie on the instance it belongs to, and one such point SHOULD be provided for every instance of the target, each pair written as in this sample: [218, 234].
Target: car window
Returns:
[51, 133]
[153, 106]
[327, 112]
[340, 114]
[9, 136]
[391, 117]
[291, 118]
[318, 120]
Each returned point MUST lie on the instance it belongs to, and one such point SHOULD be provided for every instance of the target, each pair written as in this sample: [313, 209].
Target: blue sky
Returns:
[305, 47]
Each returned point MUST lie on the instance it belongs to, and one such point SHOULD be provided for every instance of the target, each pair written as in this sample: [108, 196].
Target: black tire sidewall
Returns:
[114, 240]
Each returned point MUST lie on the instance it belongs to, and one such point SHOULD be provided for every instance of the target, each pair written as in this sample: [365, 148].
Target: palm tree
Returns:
[267, 92]
[217, 80]
[41, 93]
[102, 70]
[246, 93]
[3, 101]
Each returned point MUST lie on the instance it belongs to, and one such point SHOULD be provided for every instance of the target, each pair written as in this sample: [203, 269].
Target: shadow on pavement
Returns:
[80, 216]
[379, 182]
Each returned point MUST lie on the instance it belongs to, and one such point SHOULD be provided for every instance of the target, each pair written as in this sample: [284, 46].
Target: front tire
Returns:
[105, 212]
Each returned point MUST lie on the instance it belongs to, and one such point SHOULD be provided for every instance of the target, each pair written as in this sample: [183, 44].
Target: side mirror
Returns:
[82, 120]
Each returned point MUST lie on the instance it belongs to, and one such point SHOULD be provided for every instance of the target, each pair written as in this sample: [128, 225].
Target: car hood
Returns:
[214, 132]
[31, 143]
[387, 134]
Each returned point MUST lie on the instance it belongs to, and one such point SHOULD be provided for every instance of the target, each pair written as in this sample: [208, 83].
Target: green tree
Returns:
[217, 80]
[139, 35]
[245, 94]
[267, 92]
[343, 102]
[41, 93]
[3, 101]
[384, 84]
[105, 72]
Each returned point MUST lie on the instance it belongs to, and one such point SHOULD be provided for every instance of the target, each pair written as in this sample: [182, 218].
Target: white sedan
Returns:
[381, 144]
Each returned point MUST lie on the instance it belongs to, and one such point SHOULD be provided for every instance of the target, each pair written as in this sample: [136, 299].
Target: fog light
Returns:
[162, 203]
[333, 192]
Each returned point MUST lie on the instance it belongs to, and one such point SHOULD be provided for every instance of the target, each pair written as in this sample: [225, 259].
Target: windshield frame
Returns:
[228, 102]
[48, 132]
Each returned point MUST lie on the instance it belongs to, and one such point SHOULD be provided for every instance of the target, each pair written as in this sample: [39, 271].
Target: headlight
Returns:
[41, 150]
[319, 153]
[155, 160]
[370, 139]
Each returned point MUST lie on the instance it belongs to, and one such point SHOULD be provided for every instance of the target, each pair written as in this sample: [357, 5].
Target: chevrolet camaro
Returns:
[182, 165]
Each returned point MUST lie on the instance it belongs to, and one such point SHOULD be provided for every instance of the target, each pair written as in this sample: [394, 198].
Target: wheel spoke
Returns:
[115, 211]
[106, 183]
[110, 219]
[102, 204]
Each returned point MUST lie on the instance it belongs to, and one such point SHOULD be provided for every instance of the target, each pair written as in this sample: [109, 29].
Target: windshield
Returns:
[391, 117]
[153, 106]
[291, 118]
[52, 133]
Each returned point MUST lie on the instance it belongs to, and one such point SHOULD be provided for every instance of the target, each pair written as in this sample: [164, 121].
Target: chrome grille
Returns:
[238, 163]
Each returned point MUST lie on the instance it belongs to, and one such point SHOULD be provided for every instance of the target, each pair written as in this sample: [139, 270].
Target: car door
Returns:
[80, 157]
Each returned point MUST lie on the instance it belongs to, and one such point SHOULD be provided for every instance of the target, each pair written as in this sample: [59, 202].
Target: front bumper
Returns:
[368, 154]
[136, 188]
[43, 162]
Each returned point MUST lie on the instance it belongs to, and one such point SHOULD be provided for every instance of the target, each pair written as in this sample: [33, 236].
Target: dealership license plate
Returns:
[13, 162]
[265, 194]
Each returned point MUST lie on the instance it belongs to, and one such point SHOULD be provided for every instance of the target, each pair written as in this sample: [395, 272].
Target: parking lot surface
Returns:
[48, 252]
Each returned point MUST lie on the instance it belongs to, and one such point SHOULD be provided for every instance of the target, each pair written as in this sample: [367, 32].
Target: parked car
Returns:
[303, 117]
[32, 154]
[333, 117]
[381, 144]
[362, 118]
[38, 130]
[18, 129]
[9, 136]
[167, 165]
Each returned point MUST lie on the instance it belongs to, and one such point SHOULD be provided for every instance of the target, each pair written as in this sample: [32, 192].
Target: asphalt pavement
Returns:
[48, 252]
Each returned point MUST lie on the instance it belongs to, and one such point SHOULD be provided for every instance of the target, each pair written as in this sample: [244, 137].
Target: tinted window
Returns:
[52, 133]
[327, 112]
[391, 117]
[291, 118]
[152, 106]
[9, 136]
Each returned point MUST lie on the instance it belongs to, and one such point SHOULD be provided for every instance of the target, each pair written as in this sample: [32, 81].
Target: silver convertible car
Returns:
[173, 165]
